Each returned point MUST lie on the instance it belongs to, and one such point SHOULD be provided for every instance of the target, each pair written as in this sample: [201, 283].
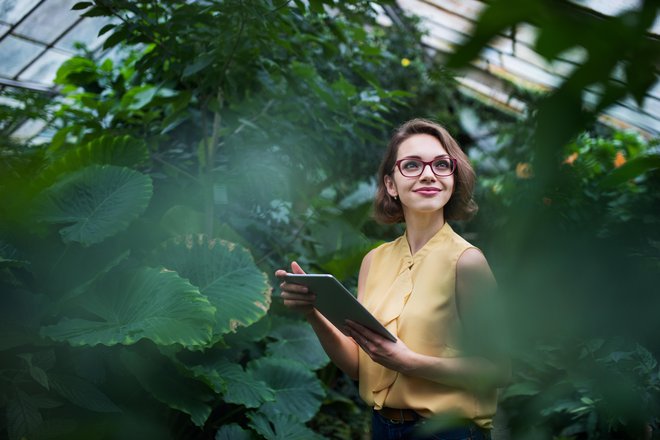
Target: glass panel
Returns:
[28, 129]
[11, 11]
[9, 101]
[15, 54]
[49, 20]
[610, 7]
[85, 32]
[3, 29]
[44, 69]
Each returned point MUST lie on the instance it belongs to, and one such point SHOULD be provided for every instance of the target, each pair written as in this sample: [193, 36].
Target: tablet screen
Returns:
[337, 303]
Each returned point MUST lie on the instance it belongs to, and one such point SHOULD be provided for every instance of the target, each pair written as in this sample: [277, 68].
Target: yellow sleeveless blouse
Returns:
[414, 297]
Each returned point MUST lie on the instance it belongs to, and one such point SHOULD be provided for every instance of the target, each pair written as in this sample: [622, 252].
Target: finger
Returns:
[280, 273]
[355, 327]
[359, 339]
[292, 287]
[297, 304]
[364, 331]
[353, 332]
[309, 298]
[365, 345]
[295, 268]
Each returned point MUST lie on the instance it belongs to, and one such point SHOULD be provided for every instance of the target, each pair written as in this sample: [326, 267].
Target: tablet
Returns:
[336, 303]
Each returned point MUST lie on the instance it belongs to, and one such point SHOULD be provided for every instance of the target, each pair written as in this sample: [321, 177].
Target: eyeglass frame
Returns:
[453, 160]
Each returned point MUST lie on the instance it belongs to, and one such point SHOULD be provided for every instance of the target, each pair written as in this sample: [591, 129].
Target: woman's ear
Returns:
[390, 186]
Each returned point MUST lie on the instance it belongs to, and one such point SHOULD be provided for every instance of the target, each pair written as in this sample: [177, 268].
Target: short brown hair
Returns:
[461, 205]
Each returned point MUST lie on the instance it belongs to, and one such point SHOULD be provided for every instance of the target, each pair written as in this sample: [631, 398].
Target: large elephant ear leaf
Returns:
[225, 273]
[298, 392]
[281, 427]
[235, 384]
[96, 202]
[123, 151]
[167, 385]
[297, 341]
[10, 257]
[148, 303]
[233, 432]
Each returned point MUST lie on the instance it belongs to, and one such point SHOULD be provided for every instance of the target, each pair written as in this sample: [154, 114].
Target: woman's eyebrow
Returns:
[419, 157]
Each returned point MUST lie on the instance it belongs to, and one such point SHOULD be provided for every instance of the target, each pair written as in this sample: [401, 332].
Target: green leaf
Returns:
[236, 385]
[316, 6]
[225, 273]
[521, 389]
[10, 257]
[617, 356]
[631, 169]
[281, 427]
[15, 338]
[345, 87]
[551, 43]
[201, 63]
[298, 392]
[81, 5]
[97, 12]
[97, 202]
[639, 78]
[232, 432]
[173, 121]
[81, 393]
[38, 374]
[46, 402]
[498, 16]
[252, 333]
[23, 416]
[182, 220]
[118, 37]
[124, 151]
[148, 303]
[105, 29]
[138, 97]
[94, 272]
[298, 342]
[77, 70]
[170, 387]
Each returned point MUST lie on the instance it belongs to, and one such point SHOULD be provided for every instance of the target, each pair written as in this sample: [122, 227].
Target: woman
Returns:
[425, 288]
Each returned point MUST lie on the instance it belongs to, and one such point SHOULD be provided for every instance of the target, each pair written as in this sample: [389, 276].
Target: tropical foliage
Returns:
[219, 140]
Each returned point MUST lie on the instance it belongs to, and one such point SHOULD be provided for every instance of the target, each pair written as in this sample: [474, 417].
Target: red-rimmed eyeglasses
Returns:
[441, 166]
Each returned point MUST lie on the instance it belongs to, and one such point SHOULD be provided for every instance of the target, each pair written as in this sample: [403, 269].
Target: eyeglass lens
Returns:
[414, 167]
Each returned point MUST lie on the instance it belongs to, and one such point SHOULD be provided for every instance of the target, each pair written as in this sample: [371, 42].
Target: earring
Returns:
[396, 197]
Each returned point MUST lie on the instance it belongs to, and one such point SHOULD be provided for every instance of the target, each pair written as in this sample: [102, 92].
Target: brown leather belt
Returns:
[399, 415]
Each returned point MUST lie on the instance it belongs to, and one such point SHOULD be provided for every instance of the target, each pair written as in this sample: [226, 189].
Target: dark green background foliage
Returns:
[226, 138]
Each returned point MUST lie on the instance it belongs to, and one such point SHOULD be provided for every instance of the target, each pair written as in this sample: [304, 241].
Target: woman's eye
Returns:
[442, 164]
[411, 165]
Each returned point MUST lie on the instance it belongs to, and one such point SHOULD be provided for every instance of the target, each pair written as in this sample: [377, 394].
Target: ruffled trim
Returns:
[388, 310]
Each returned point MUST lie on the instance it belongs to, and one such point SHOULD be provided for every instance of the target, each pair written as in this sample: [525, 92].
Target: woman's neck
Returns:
[421, 228]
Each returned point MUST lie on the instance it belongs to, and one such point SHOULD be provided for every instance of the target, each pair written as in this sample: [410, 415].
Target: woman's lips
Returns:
[427, 191]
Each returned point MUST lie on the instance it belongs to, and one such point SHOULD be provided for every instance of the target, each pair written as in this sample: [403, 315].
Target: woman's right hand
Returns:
[295, 296]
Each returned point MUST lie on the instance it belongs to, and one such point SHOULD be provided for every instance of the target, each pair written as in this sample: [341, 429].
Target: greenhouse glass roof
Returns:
[36, 36]
[506, 61]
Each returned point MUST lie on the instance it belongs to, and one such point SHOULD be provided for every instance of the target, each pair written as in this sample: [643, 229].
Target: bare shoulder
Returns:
[472, 269]
[472, 259]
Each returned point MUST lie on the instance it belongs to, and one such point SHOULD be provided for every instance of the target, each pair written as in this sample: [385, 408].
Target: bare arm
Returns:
[341, 349]
[474, 284]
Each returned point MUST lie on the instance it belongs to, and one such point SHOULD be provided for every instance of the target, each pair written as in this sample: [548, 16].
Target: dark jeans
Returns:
[383, 429]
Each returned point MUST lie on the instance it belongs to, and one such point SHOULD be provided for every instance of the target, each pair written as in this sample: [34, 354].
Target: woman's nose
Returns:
[427, 172]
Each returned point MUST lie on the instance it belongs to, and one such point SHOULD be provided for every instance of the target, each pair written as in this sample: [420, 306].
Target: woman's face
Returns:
[426, 193]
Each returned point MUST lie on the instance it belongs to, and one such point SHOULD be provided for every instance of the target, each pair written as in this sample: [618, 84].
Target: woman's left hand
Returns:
[392, 355]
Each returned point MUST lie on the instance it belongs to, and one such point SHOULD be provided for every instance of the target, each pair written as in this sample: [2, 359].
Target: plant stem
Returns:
[211, 150]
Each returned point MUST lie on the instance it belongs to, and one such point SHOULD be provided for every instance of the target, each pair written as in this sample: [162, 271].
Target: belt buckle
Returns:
[399, 421]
